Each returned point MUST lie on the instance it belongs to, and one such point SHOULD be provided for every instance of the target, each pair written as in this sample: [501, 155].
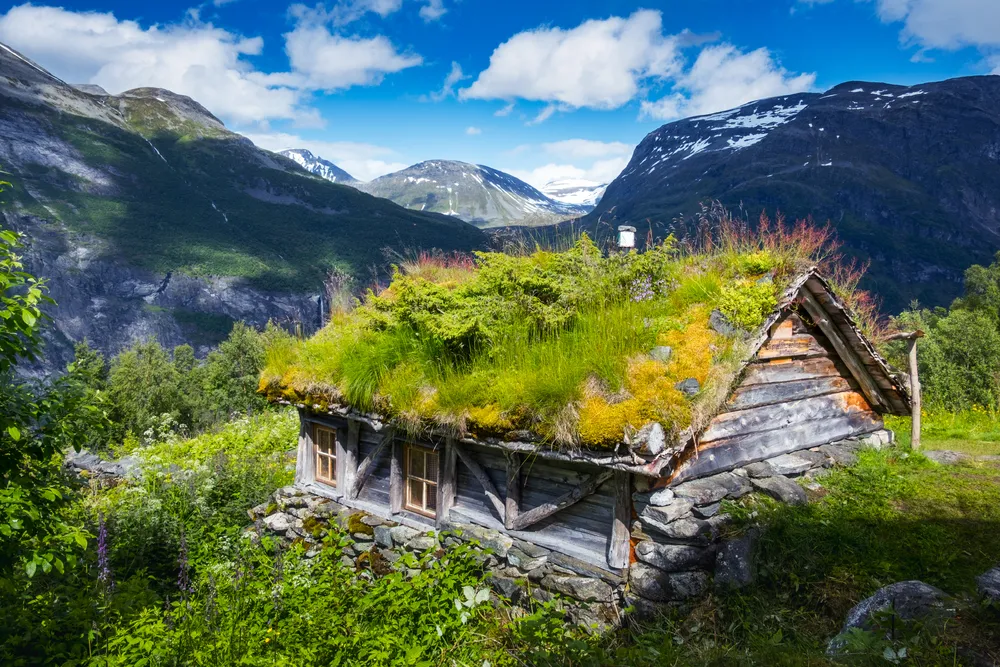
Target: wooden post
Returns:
[911, 339]
[349, 467]
[396, 481]
[618, 550]
[477, 471]
[446, 483]
[512, 504]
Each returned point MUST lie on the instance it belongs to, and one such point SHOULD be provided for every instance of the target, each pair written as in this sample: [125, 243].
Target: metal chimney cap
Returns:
[626, 236]
[626, 228]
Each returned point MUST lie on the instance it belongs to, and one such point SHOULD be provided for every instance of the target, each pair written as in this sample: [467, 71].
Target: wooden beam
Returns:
[349, 467]
[618, 550]
[914, 394]
[846, 352]
[396, 481]
[480, 474]
[545, 510]
[446, 481]
[512, 504]
[366, 467]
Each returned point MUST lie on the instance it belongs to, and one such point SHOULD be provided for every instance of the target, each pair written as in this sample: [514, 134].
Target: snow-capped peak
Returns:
[576, 191]
[317, 165]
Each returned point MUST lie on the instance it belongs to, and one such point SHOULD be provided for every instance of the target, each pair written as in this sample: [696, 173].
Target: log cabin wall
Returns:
[795, 394]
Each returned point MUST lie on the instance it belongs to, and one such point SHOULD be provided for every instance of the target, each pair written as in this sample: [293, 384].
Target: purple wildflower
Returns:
[184, 575]
[104, 577]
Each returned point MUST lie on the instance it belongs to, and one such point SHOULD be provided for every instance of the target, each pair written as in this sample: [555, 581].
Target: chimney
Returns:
[626, 237]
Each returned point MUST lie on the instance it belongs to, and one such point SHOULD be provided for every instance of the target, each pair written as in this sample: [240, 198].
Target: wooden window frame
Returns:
[319, 455]
[429, 486]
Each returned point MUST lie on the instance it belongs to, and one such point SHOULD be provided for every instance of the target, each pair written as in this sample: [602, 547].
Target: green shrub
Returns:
[746, 303]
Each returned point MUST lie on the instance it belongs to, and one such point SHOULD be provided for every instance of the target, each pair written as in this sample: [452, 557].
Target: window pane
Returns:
[432, 467]
[414, 496]
[416, 462]
[432, 499]
[324, 467]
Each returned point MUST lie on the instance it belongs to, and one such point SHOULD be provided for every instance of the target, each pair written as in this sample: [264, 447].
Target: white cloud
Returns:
[450, 81]
[723, 77]
[602, 171]
[344, 12]
[326, 61]
[193, 58]
[433, 10]
[945, 24]
[586, 148]
[504, 110]
[363, 161]
[471, 131]
[600, 64]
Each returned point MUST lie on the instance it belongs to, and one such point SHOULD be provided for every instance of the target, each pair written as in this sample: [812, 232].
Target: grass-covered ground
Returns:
[975, 431]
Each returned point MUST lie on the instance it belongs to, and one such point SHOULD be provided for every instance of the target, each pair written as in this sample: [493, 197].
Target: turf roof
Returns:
[566, 348]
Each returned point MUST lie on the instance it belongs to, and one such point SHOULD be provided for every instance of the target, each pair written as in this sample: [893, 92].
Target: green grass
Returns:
[975, 432]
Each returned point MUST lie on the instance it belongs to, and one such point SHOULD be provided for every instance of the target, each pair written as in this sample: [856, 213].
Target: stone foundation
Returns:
[675, 538]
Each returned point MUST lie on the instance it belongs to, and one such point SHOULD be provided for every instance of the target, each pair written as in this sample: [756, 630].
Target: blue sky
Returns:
[544, 90]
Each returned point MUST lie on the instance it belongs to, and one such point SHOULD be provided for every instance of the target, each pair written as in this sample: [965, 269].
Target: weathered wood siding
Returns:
[376, 488]
[795, 394]
[582, 530]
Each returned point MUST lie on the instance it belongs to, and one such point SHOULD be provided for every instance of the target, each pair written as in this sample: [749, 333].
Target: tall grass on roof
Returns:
[544, 344]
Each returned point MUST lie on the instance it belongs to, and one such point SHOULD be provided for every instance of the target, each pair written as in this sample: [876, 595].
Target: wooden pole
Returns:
[512, 503]
[618, 549]
[911, 339]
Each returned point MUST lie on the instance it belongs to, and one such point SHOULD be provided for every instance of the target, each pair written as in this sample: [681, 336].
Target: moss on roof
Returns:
[555, 344]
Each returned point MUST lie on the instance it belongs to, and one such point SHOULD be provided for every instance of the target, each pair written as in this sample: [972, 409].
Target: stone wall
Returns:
[675, 536]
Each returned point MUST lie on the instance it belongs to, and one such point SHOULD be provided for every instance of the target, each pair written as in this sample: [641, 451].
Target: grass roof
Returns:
[554, 346]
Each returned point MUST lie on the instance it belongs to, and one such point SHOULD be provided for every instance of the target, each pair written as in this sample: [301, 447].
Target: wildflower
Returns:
[103, 566]
[183, 576]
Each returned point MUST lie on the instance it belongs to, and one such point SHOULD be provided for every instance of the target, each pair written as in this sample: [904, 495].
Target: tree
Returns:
[233, 370]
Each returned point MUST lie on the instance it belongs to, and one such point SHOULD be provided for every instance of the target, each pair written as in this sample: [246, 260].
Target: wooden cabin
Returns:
[810, 378]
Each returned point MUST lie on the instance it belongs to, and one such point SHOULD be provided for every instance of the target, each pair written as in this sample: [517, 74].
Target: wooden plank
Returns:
[618, 549]
[783, 329]
[800, 369]
[304, 460]
[396, 482]
[484, 480]
[349, 467]
[512, 502]
[737, 451]
[796, 346]
[847, 354]
[757, 395]
[540, 512]
[366, 467]
[447, 481]
[781, 415]
[914, 394]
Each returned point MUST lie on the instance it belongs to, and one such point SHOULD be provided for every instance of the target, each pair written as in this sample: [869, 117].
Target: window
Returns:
[421, 480]
[325, 444]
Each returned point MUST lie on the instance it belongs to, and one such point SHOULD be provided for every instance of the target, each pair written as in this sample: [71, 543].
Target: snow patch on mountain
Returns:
[318, 166]
[575, 191]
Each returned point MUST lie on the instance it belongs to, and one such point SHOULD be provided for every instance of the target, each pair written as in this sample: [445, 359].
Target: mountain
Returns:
[576, 191]
[319, 166]
[477, 194]
[908, 176]
[149, 217]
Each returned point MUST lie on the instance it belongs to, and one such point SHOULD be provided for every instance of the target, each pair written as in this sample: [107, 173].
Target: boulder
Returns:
[654, 584]
[839, 454]
[688, 387]
[422, 543]
[703, 491]
[672, 557]
[781, 488]
[585, 589]
[383, 537]
[667, 513]
[734, 562]
[686, 530]
[720, 324]
[905, 600]
[988, 585]
[279, 522]
[661, 353]
[402, 534]
[506, 587]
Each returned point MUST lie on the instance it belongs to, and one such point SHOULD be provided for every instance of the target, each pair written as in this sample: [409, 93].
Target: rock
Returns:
[488, 539]
[839, 454]
[759, 469]
[83, 460]
[258, 511]
[280, 522]
[734, 562]
[948, 458]
[651, 438]
[707, 511]
[585, 589]
[673, 557]
[661, 353]
[781, 488]
[988, 585]
[422, 543]
[702, 491]
[688, 387]
[909, 600]
[526, 563]
[790, 464]
[689, 530]
[667, 513]
[372, 520]
[659, 586]
[383, 537]
[506, 587]
[720, 324]
[569, 564]
[402, 534]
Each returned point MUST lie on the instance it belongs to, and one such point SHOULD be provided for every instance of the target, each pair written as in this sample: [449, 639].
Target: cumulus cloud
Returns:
[602, 171]
[578, 159]
[945, 24]
[344, 12]
[471, 130]
[433, 10]
[600, 64]
[723, 77]
[193, 58]
[363, 161]
[323, 60]
[450, 81]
